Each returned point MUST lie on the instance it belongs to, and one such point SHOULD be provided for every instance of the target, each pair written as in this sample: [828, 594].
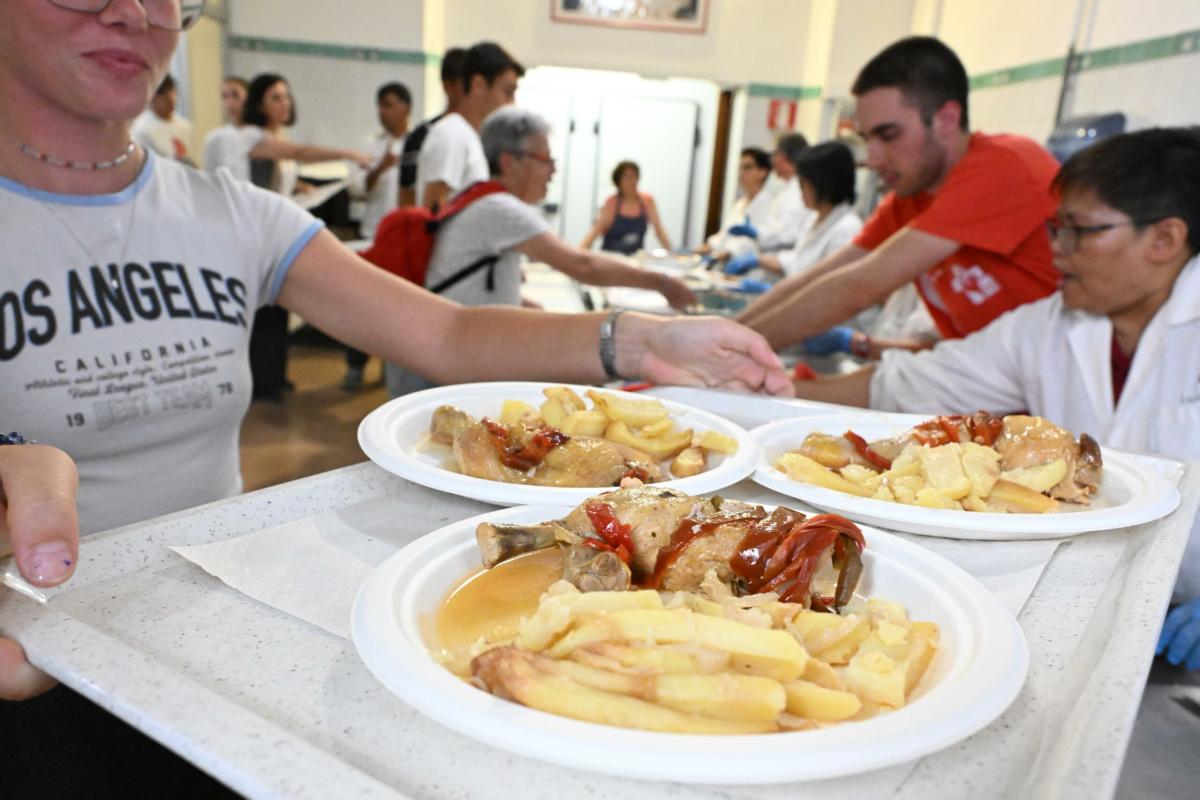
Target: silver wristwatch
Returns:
[608, 348]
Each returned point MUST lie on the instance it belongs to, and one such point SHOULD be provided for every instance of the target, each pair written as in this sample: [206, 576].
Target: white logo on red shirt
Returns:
[973, 283]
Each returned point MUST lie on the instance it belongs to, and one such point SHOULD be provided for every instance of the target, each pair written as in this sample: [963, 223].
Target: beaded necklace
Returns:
[88, 166]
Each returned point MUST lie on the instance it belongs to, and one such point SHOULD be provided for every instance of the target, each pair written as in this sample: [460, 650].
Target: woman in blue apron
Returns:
[625, 216]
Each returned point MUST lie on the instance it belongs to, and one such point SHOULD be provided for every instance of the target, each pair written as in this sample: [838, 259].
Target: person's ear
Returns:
[478, 83]
[1167, 239]
[946, 119]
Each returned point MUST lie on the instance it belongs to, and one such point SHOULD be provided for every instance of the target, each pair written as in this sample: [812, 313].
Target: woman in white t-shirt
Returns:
[127, 266]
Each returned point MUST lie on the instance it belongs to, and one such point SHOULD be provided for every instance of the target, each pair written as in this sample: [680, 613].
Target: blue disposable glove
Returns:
[745, 228]
[1180, 637]
[752, 286]
[740, 265]
[834, 340]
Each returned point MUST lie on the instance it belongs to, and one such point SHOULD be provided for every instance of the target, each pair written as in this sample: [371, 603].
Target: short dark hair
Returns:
[252, 113]
[489, 60]
[620, 168]
[829, 167]
[238, 79]
[453, 64]
[924, 69]
[1148, 175]
[791, 145]
[168, 83]
[396, 90]
[760, 157]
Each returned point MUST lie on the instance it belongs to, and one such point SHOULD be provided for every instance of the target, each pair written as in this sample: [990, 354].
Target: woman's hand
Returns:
[40, 526]
[698, 351]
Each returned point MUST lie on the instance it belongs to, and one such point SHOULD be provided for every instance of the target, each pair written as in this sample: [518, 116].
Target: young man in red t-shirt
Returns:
[965, 218]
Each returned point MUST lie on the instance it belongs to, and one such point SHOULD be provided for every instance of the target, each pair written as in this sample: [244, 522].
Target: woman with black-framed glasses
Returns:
[170, 15]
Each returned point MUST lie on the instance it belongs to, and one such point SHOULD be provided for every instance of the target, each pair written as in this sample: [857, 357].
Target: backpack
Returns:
[405, 237]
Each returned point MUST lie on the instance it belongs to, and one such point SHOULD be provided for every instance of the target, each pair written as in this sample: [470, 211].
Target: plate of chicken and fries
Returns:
[979, 476]
[653, 634]
[524, 443]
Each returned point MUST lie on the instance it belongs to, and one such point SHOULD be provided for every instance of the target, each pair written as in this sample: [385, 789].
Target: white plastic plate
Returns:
[979, 668]
[1130, 492]
[392, 437]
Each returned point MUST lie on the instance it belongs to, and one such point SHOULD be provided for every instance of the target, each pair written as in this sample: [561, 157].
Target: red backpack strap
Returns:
[467, 196]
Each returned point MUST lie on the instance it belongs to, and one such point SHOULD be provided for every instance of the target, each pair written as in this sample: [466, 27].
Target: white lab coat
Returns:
[756, 210]
[787, 216]
[1056, 363]
[821, 240]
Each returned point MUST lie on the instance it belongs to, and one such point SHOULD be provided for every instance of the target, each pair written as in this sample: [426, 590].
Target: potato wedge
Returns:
[513, 674]
[514, 411]
[659, 448]
[584, 423]
[634, 413]
[1015, 498]
[942, 467]
[802, 468]
[717, 442]
[1041, 478]
[809, 700]
[689, 462]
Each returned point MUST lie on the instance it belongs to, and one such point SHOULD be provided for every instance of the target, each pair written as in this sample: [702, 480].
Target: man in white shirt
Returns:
[379, 184]
[453, 63]
[217, 145]
[452, 157]
[160, 129]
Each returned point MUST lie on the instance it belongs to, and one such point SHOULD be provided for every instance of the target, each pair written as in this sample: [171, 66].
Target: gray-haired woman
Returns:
[506, 225]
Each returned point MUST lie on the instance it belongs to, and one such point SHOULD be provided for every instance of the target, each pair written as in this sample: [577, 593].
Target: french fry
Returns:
[717, 442]
[555, 613]
[512, 673]
[585, 423]
[634, 413]
[802, 468]
[1013, 497]
[748, 698]
[660, 428]
[659, 448]
[570, 400]
[809, 700]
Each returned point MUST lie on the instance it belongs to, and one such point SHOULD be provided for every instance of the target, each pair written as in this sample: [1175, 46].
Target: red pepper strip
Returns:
[864, 450]
[636, 472]
[612, 530]
[520, 455]
[600, 544]
[951, 426]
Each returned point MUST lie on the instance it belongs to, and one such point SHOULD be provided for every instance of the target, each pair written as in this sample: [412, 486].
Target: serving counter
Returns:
[277, 707]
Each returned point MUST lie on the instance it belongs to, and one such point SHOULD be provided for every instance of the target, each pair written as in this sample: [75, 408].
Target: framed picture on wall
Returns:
[679, 16]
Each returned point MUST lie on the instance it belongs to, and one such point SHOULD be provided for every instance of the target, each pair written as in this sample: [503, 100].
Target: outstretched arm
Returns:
[374, 311]
[597, 269]
[274, 148]
[843, 291]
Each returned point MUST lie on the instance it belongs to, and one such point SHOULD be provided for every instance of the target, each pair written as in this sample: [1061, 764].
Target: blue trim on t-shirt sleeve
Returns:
[115, 199]
[286, 263]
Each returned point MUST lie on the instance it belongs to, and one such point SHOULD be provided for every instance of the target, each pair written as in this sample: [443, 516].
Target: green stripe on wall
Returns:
[1186, 43]
[1179, 44]
[778, 92]
[345, 52]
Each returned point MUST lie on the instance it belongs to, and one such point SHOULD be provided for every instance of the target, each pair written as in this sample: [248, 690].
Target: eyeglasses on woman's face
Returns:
[1067, 235]
[171, 15]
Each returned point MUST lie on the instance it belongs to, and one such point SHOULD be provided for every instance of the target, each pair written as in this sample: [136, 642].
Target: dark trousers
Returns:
[61, 745]
[268, 351]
